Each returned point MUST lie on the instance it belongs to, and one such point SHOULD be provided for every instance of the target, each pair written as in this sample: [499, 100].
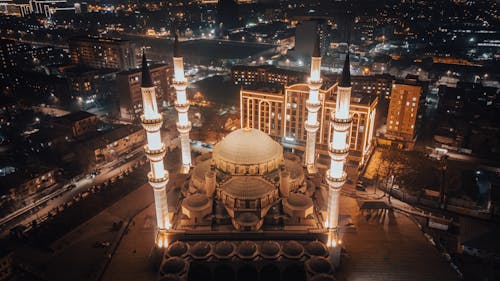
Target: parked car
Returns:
[360, 187]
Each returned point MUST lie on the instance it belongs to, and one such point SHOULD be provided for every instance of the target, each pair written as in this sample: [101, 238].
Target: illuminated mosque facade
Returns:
[247, 209]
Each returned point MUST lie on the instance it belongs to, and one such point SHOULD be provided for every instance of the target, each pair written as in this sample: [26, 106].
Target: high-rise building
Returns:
[305, 34]
[403, 112]
[282, 116]
[97, 52]
[227, 14]
[129, 89]
[8, 52]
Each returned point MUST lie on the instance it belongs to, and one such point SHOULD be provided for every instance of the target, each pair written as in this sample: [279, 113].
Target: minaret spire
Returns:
[345, 78]
[313, 105]
[155, 151]
[177, 51]
[182, 107]
[338, 151]
[146, 80]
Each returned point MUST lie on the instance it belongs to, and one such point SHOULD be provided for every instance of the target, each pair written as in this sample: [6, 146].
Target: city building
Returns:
[16, 8]
[378, 84]
[28, 181]
[282, 114]
[78, 123]
[247, 75]
[8, 52]
[110, 145]
[404, 109]
[305, 37]
[227, 14]
[99, 52]
[129, 89]
[381, 64]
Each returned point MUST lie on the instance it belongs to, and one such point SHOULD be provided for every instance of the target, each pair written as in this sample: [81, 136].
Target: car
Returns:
[348, 181]
[71, 186]
[360, 187]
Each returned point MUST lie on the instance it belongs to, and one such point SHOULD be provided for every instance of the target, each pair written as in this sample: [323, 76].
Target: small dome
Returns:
[201, 250]
[247, 219]
[246, 147]
[323, 277]
[174, 265]
[318, 265]
[316, 248]
[196, 201]
[247, 250]
[224, 249]
[177, 249]
[293, 250]
[299, 201]
[270, 249]
[247, 187]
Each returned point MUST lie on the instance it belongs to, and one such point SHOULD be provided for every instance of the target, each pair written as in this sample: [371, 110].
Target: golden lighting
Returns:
[162, 239]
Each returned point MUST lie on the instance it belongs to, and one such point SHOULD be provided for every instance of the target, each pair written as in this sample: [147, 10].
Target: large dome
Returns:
[247, 151]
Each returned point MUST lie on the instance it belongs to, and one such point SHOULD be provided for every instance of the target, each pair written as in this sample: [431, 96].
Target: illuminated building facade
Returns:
[282, 116]
[313, 105]
[248, 187]
[251, 75]
[129, 89]
[99, 52]
[403, 113]
[155, 151]
[182, 107]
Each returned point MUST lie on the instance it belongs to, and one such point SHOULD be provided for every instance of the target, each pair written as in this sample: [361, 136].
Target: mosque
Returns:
[247, 210]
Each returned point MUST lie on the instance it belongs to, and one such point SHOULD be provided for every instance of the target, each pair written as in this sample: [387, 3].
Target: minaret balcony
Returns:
[314, 84]
[181, 107]
[341, 125]
[155, 155]
[151, 125]
[313, 107]
[335, 183]
[311, 127]
[338, 154]
[158, 183]
[180, 84]
[184, 128]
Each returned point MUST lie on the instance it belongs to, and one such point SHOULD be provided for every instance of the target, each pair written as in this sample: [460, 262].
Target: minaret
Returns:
[182, 106]
[338, 150]
[155, 151]
[313, 105]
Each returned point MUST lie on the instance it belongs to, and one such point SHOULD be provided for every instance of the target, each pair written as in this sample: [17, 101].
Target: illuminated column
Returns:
[155, 151]
[313, 105]
[182, 106]
[338, 150]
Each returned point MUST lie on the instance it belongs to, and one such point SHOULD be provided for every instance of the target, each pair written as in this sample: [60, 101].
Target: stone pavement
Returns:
[75, 257]
[131, 261]
[388, 245]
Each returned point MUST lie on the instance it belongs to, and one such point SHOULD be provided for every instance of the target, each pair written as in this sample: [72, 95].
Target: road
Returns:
[40, 209]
